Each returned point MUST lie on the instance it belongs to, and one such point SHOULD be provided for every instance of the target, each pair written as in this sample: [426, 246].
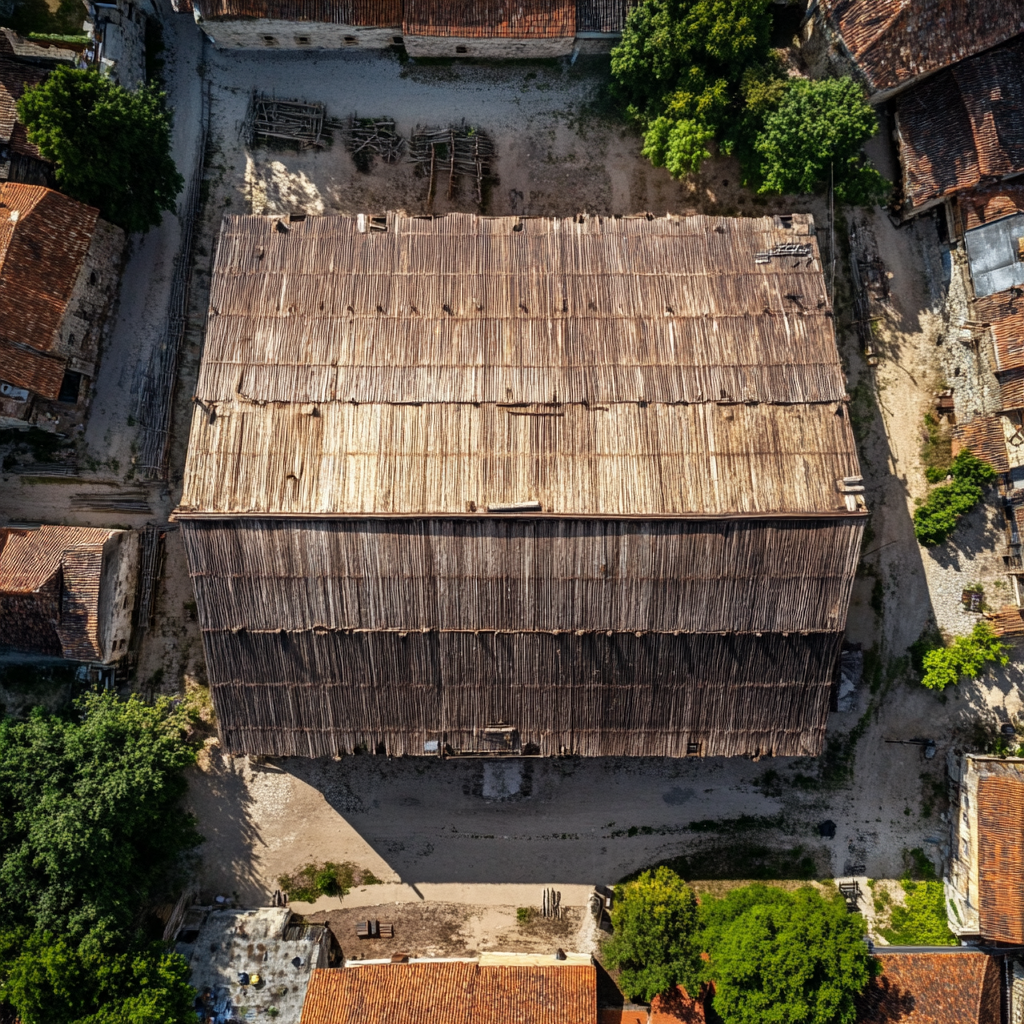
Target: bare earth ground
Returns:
[465, 823]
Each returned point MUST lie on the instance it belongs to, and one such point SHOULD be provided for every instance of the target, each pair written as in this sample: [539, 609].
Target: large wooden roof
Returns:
[634, 367]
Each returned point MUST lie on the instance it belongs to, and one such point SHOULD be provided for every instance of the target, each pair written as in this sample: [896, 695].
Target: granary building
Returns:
[59, 266]
[426, 28]
[469, 485]
[68, 591]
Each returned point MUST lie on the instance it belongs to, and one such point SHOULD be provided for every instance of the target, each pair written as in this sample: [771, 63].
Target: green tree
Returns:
[936, 518]
[91, 816]
[655, 945]
[48, 981]
[780, 957]
[964, 658]
[814, 136]
[679, 71]
[110, 147]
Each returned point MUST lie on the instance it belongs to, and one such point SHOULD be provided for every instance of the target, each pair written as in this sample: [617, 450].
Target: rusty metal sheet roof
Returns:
[448, 992]
[491, 19]
[606, 367]
[367, 13]
[933, 988]
[14, 77]
[44, 237]
[896, 42]
[1000, 844]
[1004, 314]
[963, 126]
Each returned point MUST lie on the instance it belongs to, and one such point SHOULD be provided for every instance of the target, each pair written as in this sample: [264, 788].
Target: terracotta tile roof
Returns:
[372, 13]
[982, 206]
[1004, 313]
[451, 993]
[1011, 389]
[933, 988]
[1001, 858]
[677, 1008]
[44, 237]
[14, 77]
[895, 42]
[985, 438]
[491, 19]
[49, 590]
[963, 126]
[30, 369]
[615, 1015]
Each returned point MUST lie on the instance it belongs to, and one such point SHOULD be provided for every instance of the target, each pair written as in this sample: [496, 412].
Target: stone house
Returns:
[68, 591]
[59, 271]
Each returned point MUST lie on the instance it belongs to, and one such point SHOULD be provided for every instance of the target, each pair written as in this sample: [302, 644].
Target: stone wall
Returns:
[118, 581]
[251, 33]
[489, 49]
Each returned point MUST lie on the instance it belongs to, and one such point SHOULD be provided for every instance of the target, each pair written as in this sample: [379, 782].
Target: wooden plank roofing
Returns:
[597, 366]
[451, 992]
[44, 238]
[1000, 844]
[366, 13]
[491, 19]
[932, 988]
[964, 126]
[897, 42]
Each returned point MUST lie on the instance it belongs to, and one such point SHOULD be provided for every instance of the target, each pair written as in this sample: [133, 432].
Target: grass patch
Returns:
[310, 882]
[936, 450]
[921, 921]
[743, 859]
[525, 915]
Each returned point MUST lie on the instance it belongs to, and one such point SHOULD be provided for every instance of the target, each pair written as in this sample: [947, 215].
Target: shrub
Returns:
[964, 658]
[312, 881]
[655, 945]
[922, 920]
[936, 518]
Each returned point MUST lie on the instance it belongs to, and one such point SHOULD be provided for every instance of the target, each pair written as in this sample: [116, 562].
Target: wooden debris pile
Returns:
[366, 137]
[449, 153]
[285, 120]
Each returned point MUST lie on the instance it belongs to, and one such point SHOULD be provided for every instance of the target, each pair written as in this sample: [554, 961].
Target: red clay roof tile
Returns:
[491, 19]
[1001, 858]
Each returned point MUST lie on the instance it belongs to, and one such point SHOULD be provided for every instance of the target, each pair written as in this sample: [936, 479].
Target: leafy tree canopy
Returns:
[937, 517]
[91, 816]
[692, 71]
[964, 658]
[110, 147]
[814, 136]
[655, 944]
[48, 981]
[780, 957]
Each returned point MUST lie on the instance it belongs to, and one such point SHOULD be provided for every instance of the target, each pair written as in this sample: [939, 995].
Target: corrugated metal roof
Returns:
[580, 363]
[491, 19]
[963, 126]
[895, 42]
[993, 256]
[451, 993]
[953, 987]
[367, 13]
[44, 238]
[1000, 844]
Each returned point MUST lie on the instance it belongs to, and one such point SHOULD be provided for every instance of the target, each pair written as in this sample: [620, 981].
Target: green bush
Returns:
[922, 920]
[655, 945]
[936, 518]
[964, 658]
[312, 881]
